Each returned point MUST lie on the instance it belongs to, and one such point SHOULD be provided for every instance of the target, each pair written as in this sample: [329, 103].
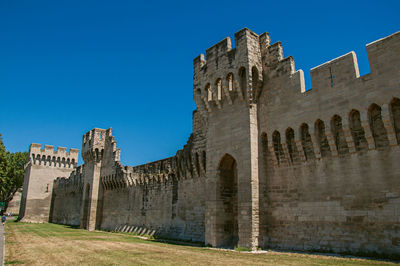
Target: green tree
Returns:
[11, 172]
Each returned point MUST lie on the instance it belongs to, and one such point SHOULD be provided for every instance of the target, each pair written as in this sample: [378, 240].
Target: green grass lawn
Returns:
[51, 244]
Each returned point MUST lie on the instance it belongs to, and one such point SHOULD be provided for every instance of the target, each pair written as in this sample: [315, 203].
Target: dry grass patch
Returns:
[50, 244]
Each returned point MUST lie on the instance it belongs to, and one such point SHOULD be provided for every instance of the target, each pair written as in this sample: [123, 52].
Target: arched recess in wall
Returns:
[208, 91]
[197, 162]
[229, 79]
[322, 139]
[254, 77]
[189, 163]
[264, 148]
[395, 111]
[357, 131]
[377, 127]
[242, 79]
[291, 144]
[227, 229]
[218, 85]
[338, 135]
[307, 142]
[276, 139]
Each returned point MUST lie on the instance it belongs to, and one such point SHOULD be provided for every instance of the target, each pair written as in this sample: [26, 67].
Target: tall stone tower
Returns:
[226, 87]
[92, 153]
[42, 167]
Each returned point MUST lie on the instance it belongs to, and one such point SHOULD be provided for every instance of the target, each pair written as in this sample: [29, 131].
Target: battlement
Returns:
[384, 59]
[93, 143]
[228, 74]
[73, 182]
[51, 157]
[223, 50]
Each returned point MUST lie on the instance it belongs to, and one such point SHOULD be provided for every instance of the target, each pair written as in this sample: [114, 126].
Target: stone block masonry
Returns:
[268, 164]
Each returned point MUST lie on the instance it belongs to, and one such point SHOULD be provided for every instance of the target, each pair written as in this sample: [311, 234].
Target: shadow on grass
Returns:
[178, 242]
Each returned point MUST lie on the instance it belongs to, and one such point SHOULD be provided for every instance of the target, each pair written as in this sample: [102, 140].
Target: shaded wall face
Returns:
[173, 208]
[66, 207]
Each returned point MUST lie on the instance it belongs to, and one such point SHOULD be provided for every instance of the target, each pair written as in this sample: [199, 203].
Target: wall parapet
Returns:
[72, 183]
[51, 157]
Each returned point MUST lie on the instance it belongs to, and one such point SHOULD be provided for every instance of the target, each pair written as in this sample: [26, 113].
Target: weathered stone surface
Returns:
[268, 163]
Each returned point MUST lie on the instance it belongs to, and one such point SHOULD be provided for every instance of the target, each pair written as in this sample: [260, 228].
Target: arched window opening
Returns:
[291, 144]
[242, 78]
[377, 127]
[395, 108]
[208, 92]
[44, 160]
[357, 131]
[204, 160]
[189, 163]
[218, 85]
[229, 78]
[322, 139]
[338, 135]
[276, 139]
[196, 158]
[307, 142]
[254, 77]
[264, 146]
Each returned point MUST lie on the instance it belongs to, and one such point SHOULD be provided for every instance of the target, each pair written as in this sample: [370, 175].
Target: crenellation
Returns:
[384, 55]
[52, 158]
[336, 73]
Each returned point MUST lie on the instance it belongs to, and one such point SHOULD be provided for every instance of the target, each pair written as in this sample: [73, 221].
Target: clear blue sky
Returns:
[69, 66]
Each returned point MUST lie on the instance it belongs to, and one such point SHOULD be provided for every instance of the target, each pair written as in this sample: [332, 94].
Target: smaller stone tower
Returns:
[42, 167]
[92, 153]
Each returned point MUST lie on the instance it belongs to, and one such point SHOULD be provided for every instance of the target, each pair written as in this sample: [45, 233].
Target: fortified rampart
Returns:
[42, 167]
[268, 164]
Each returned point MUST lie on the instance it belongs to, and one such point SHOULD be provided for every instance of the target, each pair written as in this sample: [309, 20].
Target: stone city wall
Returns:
[269, 164]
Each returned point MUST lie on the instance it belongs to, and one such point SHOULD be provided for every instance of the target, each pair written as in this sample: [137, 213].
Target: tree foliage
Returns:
[11, 172]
